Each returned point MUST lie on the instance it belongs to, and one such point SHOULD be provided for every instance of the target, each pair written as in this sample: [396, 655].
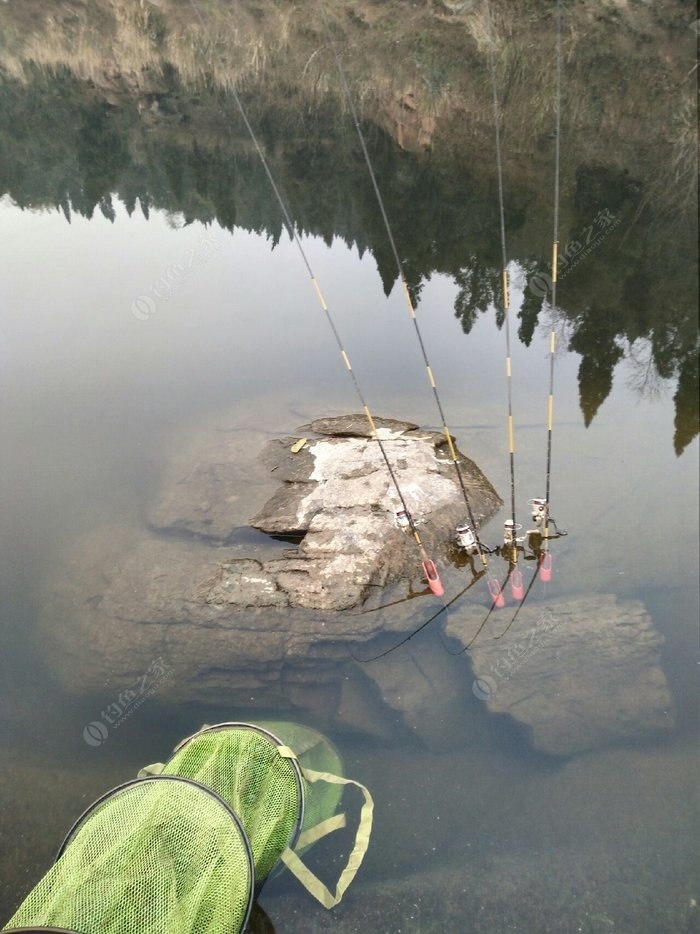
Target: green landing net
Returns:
[286, 793]
[185, 847]
[154, 856]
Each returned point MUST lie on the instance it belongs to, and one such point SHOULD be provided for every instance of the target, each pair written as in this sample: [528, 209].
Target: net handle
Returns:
[311, 882]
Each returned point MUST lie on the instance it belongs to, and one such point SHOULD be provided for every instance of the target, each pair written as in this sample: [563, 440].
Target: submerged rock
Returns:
[431, 690]
[209, 489]
[336, 497]
[239, 617]
[236, 614]
[579, 674]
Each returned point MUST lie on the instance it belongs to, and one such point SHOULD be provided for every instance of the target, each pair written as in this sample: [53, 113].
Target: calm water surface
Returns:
[91, 392]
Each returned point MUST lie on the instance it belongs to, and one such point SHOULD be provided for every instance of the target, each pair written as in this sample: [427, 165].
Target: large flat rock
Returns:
[126, 597]
[243, 616]
[338, 492]
[355, 426]
[578, 673]
[329, 485]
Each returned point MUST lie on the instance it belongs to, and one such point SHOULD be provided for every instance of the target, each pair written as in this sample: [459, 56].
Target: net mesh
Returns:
[158, 856]
[243, 765]
[314, 751]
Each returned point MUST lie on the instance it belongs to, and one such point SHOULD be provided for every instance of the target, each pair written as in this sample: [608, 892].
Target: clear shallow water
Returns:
[488, 834]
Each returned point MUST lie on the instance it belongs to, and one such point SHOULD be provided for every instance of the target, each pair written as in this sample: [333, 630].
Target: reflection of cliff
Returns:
[128, 99]
[417, 70]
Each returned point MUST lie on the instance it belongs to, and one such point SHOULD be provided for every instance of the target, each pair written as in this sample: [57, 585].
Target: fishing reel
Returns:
[538, 507]
[532, 545]
[510, 536]
[401, 520]
[466, 538]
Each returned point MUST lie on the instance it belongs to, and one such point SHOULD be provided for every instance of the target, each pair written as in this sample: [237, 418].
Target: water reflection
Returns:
[76, 145]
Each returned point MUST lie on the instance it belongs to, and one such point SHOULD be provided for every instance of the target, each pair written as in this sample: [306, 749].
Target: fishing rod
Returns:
[511, 527]
[539, 506]
[465, 538]
[541, 514]
[405, 519]
[547, 561]
[476, 545]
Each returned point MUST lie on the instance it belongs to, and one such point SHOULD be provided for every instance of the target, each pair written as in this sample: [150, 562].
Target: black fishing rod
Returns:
[547, 562]
[477, 546]
[465, 537]
[406, 518]
[541, 514]
[539, 506]
[504, 269]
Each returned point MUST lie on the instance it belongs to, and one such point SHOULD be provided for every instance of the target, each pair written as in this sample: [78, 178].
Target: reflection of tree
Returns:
[102, 157]
[531, 307]
[595, 339]
[686, 400]
[478, 285]
[60, 146]
[638, 284]
[675, 348]
[645, 379]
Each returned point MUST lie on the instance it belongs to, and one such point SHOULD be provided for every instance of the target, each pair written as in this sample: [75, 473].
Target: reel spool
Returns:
[466, 538]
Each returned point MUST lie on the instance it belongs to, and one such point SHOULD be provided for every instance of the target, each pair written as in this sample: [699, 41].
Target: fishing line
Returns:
[477, 576]
[428, 565]
[522, 602]
[540, 569]
[383, 606]
[402, 278]
[483, 623]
